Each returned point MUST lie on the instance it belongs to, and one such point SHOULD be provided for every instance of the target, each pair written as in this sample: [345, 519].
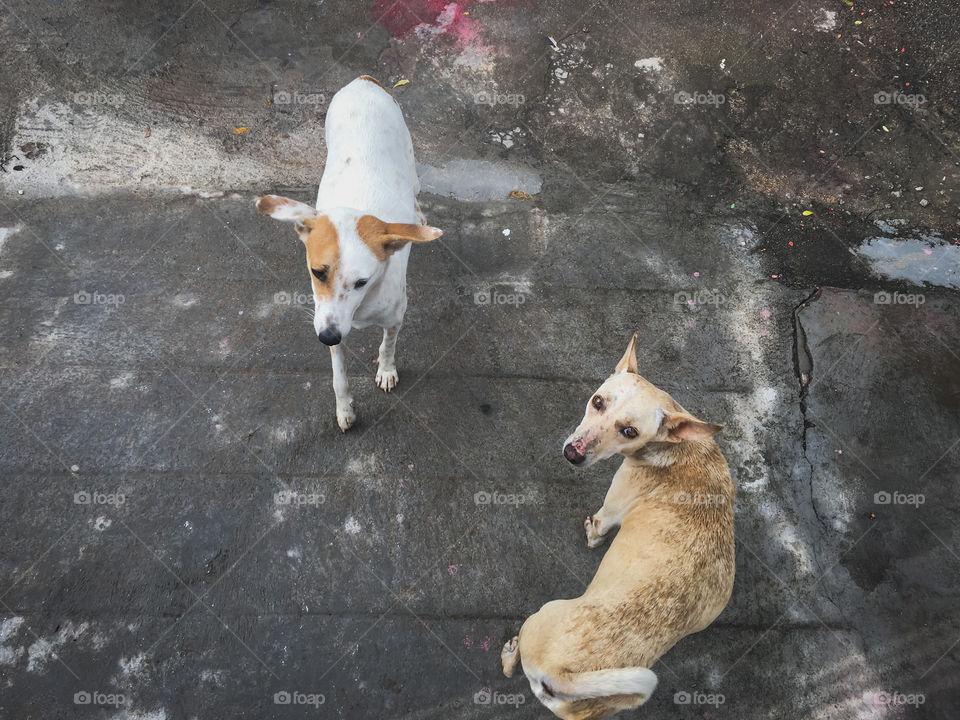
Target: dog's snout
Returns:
[329, 336]
[574, 452]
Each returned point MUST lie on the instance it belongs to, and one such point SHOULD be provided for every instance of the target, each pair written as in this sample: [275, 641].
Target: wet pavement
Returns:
[767, 193]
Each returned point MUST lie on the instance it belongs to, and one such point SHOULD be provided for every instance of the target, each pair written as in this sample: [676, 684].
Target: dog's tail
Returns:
[602, 683]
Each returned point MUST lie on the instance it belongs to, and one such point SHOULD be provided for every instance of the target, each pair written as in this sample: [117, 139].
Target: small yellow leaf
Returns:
[808, 212]
[885, 128]
[520, 195]
[400, 83]
[241, 130]
[858, 22]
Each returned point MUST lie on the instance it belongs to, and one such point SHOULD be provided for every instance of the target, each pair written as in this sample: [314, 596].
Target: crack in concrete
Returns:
[803, 368]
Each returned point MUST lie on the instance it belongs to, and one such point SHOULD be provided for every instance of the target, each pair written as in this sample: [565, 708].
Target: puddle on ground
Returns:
[926, 259]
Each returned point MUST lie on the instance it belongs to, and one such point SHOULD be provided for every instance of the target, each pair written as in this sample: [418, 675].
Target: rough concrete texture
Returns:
[766, 191]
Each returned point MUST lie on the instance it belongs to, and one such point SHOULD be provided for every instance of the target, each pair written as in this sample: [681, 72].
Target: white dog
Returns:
[358, 236]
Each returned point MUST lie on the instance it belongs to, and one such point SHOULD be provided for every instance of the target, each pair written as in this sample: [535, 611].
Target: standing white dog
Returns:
[358, 237]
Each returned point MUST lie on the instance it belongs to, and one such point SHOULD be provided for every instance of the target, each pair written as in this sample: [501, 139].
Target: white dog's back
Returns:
[370, 165]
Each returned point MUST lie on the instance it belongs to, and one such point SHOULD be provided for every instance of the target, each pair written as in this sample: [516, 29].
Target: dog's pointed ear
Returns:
[385, 238]
[628, 363]
[679, 426]
[281, 208]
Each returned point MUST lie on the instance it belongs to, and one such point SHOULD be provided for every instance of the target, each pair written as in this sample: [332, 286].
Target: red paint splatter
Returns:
[399, 18]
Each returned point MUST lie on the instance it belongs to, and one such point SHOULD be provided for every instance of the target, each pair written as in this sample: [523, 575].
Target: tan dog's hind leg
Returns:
[386, 365]
[510, 656]
[615, 504]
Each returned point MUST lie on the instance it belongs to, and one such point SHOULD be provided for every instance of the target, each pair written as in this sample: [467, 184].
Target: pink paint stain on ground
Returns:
[431, 17]
[468, 641]
[765, 314]
[486, 643]
[452, 569]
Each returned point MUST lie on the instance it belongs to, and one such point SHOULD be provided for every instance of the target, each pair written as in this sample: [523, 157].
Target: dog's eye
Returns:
[629, 432]
[359, 284]
[597, 402]
[320, 274]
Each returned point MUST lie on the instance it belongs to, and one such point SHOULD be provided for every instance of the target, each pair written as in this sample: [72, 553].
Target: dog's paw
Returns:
[594, 536]
[509, 655]
[346, 417]
[387, 378]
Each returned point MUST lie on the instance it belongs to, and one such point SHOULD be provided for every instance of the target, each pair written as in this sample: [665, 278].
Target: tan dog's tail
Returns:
[602, 683]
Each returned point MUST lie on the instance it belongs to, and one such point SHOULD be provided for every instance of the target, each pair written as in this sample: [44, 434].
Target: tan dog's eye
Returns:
[629, 432]
[597, 402]
[320, 274]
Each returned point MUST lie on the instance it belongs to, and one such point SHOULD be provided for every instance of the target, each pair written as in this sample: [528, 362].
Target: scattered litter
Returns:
[453, 569]
[552, 43]
[74, 468]
[808, 212]
[506, 232]
[410, 466]
[241, 130]
[401, 83]
[924, 202]
[732, 205]
[520, 195]
[240, 312]
[775, 276]
[696, 273]
[790, 243]
[885, 128]
[146, 133]
[19, 192]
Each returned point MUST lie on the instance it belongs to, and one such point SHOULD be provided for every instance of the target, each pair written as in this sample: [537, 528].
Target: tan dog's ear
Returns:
[677, 427]
[628, 363]
[386, 238]
[281, 208]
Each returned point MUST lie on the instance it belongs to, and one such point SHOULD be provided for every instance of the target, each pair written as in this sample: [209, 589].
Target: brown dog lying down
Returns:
[667, 574]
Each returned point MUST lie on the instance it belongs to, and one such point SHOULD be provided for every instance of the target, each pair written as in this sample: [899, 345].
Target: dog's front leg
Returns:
[341, 389]
[386, 365]
[610, 516]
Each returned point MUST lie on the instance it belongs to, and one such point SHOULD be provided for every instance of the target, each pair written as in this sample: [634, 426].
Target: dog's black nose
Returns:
[572, 454]
[330, 336]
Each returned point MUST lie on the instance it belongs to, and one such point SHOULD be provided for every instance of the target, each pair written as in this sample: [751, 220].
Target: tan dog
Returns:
[667, 574]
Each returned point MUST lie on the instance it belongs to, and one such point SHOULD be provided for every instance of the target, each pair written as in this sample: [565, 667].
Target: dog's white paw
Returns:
[594, 536]
[387, 378]
[346, 417]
